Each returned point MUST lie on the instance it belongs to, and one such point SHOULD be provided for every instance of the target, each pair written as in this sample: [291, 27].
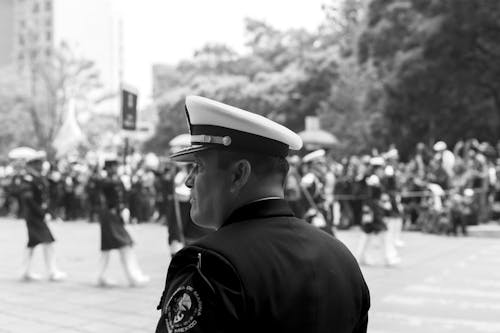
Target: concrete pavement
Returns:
[444, 284]
[77, 305]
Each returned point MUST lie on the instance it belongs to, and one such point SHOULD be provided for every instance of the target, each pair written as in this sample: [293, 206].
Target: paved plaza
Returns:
[444, 284]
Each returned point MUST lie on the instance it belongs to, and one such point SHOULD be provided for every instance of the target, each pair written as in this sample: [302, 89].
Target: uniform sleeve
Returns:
[362, 326]
[29, 200]
[203, 294]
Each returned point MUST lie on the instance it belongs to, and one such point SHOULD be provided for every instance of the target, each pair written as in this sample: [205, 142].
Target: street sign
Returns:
[129, 108]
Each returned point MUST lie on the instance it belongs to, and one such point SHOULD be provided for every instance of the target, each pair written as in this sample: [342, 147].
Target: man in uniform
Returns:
[262, 270]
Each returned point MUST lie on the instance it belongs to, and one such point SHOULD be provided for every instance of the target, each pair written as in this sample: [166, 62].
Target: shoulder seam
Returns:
[237, 273]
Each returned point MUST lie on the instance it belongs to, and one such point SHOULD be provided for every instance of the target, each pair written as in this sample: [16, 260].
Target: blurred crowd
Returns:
[73, 187]
[440, 189]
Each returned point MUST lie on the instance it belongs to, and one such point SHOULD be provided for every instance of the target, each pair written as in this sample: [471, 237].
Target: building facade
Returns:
[33, 29]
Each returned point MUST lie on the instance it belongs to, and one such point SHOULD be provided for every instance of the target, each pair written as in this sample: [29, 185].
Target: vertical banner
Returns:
[129, 107]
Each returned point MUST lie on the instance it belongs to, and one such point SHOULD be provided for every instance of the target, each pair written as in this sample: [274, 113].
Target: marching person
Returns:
[172, 207]
[314, 189]
[293, 190]
[114, 236]
[262, 270]
[377, 209]
[34, 197]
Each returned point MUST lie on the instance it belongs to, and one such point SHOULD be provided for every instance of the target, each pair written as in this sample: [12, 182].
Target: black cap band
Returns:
[239, 140]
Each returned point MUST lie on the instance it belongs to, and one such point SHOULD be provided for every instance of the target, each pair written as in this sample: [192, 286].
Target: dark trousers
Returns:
[458, 220]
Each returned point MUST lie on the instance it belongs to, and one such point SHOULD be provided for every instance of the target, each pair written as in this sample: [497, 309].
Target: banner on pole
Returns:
[129, 107]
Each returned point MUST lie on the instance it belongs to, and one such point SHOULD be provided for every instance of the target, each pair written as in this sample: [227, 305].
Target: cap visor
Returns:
[187, 154]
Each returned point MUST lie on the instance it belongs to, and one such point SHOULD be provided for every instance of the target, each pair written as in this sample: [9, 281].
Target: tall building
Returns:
[6, 27]
[33, 29]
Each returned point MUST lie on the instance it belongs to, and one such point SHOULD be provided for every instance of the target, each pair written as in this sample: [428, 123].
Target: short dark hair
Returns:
[262, 165]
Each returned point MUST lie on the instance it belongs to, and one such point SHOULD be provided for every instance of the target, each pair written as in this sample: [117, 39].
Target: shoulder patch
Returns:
[183, 309]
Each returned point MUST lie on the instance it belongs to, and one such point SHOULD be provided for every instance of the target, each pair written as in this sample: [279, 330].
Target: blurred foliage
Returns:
[14, 130]
[284, 75]
[39, 99]
[375, 72]
[437, 61]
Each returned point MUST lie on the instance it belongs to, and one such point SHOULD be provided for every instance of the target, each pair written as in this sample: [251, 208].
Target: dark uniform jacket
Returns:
[264, 271]
[114, 235]
[113, 193]
[34, 194]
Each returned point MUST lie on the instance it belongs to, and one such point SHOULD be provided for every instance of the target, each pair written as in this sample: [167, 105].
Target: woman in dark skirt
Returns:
[34, 196]
[114, 236]
[377, 208]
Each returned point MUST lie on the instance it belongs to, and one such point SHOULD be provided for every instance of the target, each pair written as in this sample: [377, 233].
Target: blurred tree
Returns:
[349, 109]
[65, 76]
[376, 72]
[437, 61]
[265, 80]
[42, 95]
[14, 131]
[285, 75]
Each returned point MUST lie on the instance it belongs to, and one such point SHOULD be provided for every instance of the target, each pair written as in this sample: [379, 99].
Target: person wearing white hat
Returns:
[262, 269]
[317, 185]
[34, 197]
[378, 208]
[439, 146]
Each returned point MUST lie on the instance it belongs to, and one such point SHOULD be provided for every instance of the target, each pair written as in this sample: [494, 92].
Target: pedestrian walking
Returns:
[114, 236]
[378, 209]
[263, 269]
[173, 217]
[34, 197]
[313, 185]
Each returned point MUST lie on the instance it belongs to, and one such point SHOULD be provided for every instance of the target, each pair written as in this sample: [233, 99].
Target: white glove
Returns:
[125, 214]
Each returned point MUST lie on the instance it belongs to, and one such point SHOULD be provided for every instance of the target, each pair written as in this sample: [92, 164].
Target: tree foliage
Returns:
[376, 72]
[41, 98]
[13, 120]
[437, 62]
[281, 77]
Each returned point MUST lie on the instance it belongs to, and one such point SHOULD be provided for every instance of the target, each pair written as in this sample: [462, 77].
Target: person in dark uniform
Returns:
[92, 192]
[378, 207]
[175, 233]
[263, 269]
[112, 218]
[293, 191]
[34, 197]
[314, 186]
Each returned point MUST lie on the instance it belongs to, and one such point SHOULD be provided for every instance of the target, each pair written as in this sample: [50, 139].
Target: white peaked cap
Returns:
[214, 124]
[37, 155]
[377, 161]
[314, 156]
[439, 146]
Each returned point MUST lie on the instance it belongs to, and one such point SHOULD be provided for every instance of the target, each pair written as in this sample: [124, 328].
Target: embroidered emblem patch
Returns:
[182, 309]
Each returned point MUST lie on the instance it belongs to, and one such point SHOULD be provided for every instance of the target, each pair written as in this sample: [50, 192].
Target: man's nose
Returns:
[190, 179]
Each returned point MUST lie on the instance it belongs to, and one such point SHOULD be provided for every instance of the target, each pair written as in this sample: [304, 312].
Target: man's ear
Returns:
[240, 173]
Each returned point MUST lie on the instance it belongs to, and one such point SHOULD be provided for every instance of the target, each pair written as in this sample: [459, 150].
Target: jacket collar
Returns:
[260, 209]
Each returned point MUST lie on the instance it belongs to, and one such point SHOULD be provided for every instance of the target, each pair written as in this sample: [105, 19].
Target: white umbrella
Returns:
[22, 153]
[181, 140]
